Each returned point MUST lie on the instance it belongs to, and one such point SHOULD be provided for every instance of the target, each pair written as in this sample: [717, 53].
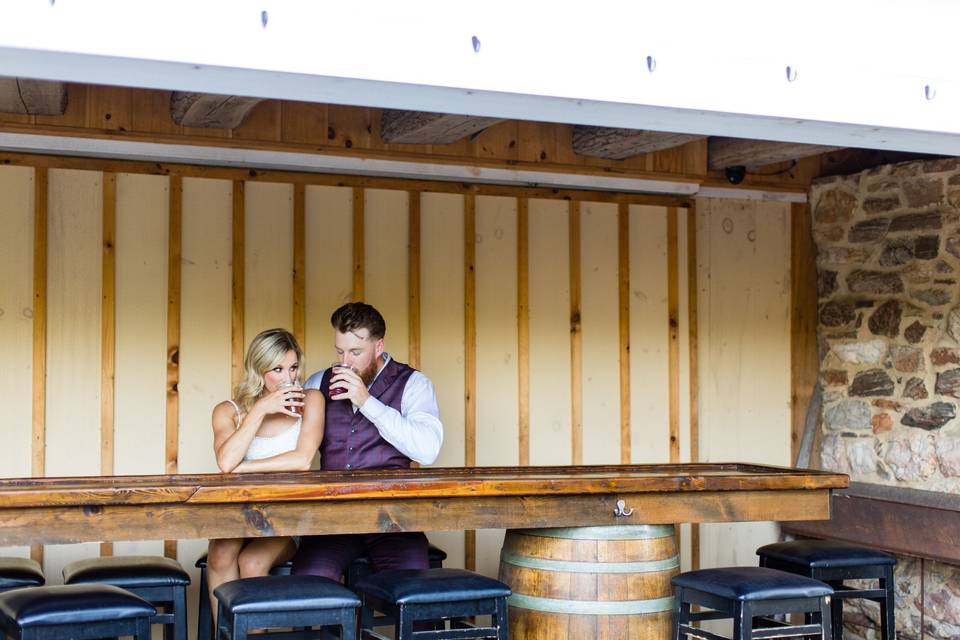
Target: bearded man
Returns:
[380, 414]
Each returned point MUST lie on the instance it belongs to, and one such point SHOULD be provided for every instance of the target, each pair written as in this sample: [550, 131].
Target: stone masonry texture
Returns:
[888, 259]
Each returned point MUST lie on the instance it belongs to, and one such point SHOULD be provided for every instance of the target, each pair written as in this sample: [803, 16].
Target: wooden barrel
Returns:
[590, 582]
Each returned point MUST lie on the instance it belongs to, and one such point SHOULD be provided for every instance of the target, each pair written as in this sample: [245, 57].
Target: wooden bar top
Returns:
[286, 503]
[409, 483]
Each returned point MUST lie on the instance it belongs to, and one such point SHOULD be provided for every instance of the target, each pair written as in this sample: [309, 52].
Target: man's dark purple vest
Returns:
[350, 441]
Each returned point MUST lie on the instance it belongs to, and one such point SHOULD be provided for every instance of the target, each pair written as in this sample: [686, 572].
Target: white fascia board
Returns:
[321, 163]
[718, 69]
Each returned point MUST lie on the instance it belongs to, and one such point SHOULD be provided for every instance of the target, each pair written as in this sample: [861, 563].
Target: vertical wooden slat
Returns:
[39, 438]
[576, 339]
[804, 363]
[299, 265]
[692, 284]
[623, 277]
[413, 280]
[108, 332]
[174, 256]
[358, 248]
[673, 315]
[523, 330]
[470, 354]
[238, 298]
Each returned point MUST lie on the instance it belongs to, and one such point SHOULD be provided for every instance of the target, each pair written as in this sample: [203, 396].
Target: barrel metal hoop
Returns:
[613, 532]
[589, 567]
[592, 607]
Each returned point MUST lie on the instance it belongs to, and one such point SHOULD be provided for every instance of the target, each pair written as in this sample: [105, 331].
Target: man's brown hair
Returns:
[359, 315]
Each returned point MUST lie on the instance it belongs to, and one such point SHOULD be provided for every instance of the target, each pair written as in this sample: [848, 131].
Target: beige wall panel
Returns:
[649, 335]
[549, 333]
[73, 323]
[57, 556]
[329, 246]
[386, 227]
[442, 327]
[16, 318]
[744, 295]
[601, 354]
[16, 324]
[497, 378]
[205, 317]
[141, 323]
[498, 434]
[268, 301]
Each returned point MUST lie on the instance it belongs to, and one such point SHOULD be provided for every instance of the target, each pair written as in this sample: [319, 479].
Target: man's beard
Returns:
[368, 374]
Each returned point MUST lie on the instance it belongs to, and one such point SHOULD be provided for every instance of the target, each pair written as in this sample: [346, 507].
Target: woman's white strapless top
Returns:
[267, 446]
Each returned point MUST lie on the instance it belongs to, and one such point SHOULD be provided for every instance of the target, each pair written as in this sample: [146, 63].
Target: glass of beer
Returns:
[336, 391]
[292, 385]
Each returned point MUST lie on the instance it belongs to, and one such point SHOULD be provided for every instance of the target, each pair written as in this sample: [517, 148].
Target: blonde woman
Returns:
[271, 425]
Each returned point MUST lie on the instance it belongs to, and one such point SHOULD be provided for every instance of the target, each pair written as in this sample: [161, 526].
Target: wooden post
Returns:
[174, 256]
[470, 355]
[39, 411]
[692, 329]
[358, 244]
[237, 337]
[108, 275]
[413, 280]
[299, 265]
[576, 338]
[623, 281]
[523, 329]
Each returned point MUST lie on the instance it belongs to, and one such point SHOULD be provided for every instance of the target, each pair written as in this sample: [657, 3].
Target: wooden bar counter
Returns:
[65, 510]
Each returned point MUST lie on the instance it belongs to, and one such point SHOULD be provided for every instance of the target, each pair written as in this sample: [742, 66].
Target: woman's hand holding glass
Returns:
[288, 399]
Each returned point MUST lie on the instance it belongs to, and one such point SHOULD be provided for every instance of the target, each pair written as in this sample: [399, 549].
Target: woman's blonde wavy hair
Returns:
[265, 352]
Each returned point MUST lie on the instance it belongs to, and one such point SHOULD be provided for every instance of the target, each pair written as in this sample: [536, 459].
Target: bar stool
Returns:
[160, 581]
[410, 595]
[834, 562]
[745, 593]
[360, 567]
[20, 572]
[78, 612]
[204, 615]
[284, 601]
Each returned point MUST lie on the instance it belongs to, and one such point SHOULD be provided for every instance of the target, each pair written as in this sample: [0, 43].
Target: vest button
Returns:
[348, 466]
[353, 430]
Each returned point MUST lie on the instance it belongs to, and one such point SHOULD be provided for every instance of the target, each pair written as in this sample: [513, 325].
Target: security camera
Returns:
[735, 174]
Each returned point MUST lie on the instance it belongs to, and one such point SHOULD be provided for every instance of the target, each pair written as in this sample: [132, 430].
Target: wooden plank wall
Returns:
[744, 352]
[529, 313]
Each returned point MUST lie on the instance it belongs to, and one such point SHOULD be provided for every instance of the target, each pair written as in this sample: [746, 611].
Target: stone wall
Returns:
[888, 264]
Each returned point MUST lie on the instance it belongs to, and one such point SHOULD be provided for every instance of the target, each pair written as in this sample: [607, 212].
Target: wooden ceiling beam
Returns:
[33, 97]
[210, 111]
[616, 144]
[751, 154]
[422, 127]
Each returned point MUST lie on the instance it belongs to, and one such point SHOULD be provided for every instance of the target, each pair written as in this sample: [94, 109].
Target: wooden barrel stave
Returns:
[591, 582]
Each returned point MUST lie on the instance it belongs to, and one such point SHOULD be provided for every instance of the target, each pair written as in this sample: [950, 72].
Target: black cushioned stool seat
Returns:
[160, 581]
[410, 596]
[360, 568]
[78, 612]
[204, 615]
[20, 572]
[284, 601]
[834, 562]
[746, 593]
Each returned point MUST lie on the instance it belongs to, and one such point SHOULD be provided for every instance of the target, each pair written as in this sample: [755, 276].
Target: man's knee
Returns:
[320, 556]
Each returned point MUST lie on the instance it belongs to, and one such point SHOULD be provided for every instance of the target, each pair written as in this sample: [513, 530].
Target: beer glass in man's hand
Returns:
[336, 368]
